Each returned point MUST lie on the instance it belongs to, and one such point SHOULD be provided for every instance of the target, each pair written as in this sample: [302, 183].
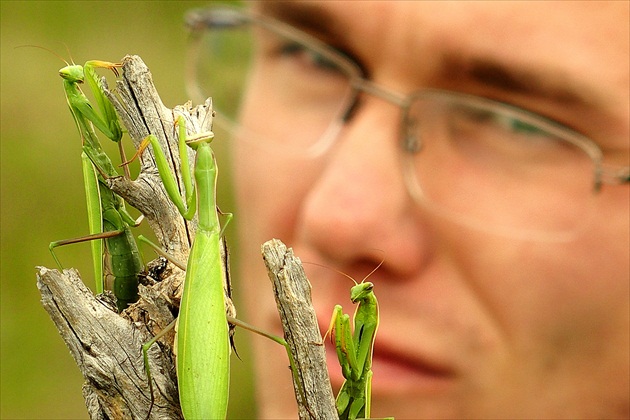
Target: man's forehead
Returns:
[511, 18]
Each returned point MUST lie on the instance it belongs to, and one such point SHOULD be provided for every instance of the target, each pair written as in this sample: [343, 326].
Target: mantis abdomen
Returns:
[125, 260]
[125, 265]
[203, 350]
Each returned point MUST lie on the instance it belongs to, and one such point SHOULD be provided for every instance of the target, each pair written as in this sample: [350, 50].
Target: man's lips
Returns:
[397, 370]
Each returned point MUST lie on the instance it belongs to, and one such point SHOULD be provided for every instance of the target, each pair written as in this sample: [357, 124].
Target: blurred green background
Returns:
[41, 187]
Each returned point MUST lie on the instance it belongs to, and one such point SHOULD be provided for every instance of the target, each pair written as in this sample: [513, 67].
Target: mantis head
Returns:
[195, 140]
[360, 291]
[72, 73]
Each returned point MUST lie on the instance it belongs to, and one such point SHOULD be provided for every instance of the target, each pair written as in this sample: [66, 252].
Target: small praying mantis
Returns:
[108, 219]
[202, 331]
[354, 350]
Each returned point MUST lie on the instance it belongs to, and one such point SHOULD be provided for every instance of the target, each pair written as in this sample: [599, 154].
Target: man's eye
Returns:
[516, 126]
[308, 57]
[504, 122]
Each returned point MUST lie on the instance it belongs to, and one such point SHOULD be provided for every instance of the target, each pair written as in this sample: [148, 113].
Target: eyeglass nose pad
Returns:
[412, 141]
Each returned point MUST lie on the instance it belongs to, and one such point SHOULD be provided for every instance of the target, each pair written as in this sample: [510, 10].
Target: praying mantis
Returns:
[354, 350]
[202, 332]
[108, 219]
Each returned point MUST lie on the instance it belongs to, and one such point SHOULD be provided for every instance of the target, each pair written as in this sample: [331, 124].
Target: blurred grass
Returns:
[42, 195]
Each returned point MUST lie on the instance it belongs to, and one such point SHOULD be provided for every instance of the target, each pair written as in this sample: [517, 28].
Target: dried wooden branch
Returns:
[106, 345]
[299, 322]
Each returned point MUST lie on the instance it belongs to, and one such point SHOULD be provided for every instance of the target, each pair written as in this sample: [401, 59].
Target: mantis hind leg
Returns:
[97, 236]
[368, 394]
[145, 356]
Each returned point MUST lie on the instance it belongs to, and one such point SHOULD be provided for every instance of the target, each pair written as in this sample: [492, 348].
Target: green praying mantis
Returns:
[202, 332]
[354, 347]
[108, 219]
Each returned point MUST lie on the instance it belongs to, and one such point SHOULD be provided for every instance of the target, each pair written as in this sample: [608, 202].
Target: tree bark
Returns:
[107, 347]
[292, 291]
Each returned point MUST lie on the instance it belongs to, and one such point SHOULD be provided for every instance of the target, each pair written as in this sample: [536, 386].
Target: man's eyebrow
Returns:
[491, 72]
[308, 17]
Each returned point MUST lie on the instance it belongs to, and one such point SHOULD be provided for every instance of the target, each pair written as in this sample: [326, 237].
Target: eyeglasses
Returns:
[479, 162]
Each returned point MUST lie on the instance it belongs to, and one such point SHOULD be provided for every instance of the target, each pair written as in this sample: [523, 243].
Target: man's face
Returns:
[471, 324]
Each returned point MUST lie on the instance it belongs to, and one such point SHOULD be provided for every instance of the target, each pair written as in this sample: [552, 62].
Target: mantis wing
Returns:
[95, 218]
